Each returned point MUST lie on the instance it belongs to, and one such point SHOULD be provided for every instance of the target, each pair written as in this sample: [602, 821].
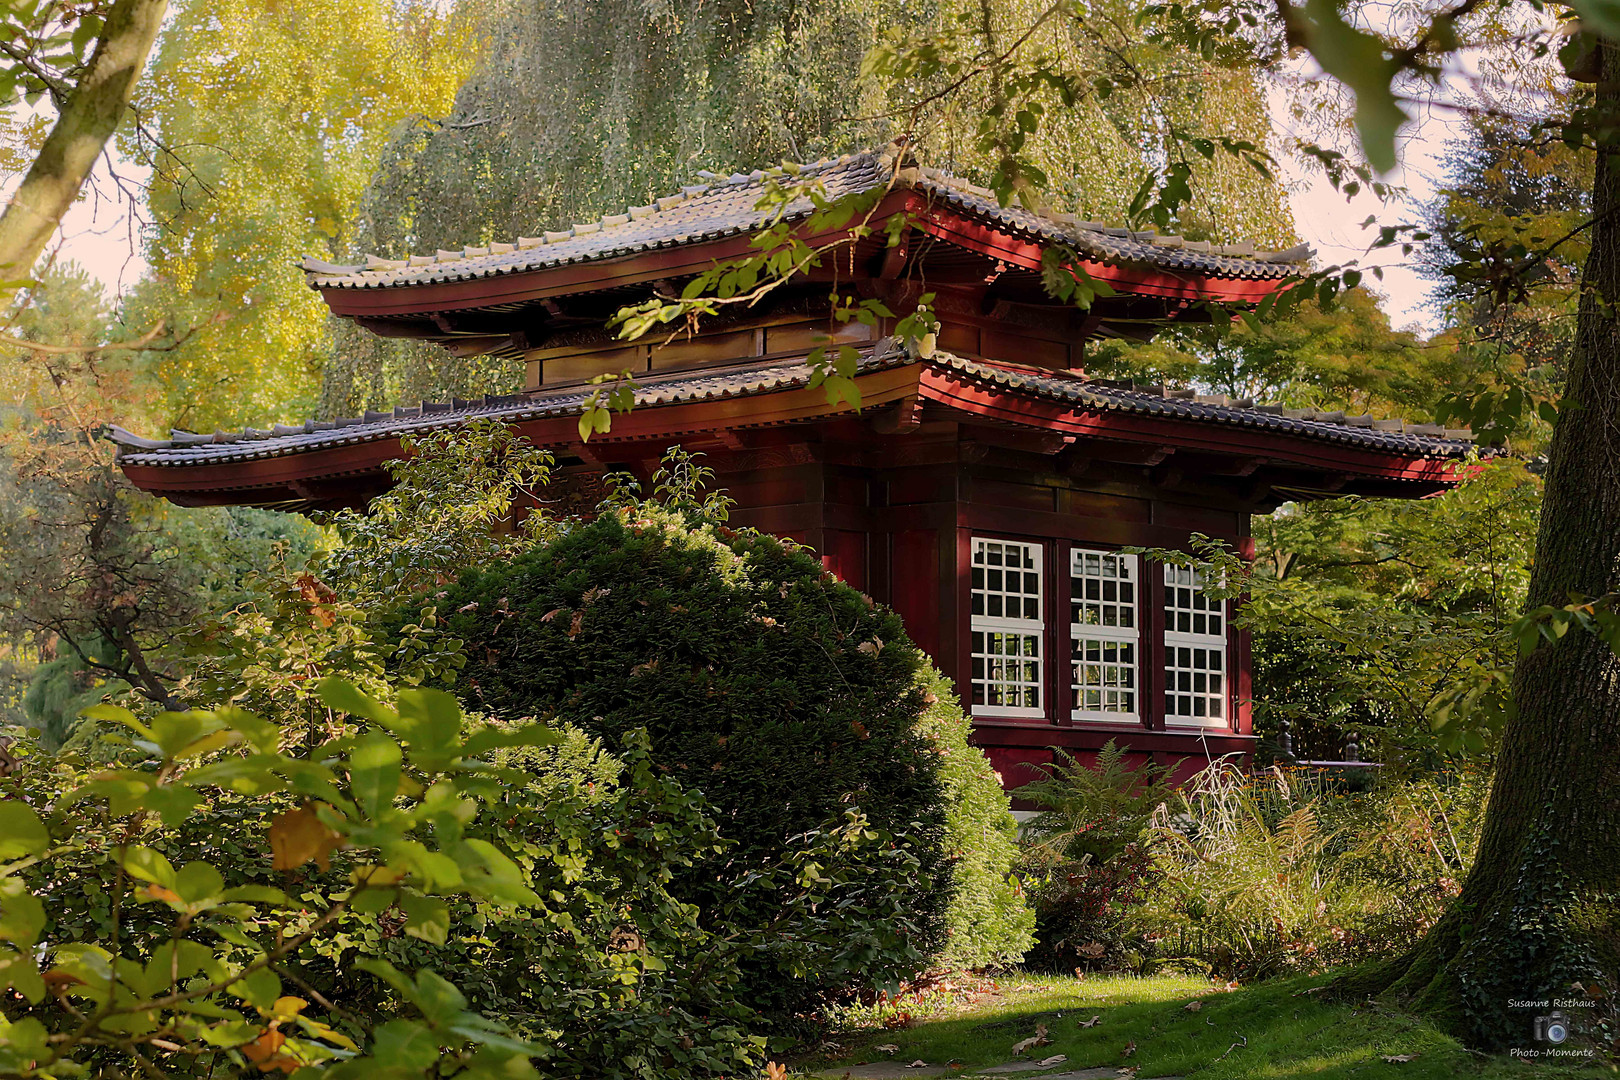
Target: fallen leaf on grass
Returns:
[1400, 1059]
[1193, 1006]
[1055, 1059]
[1231, 986]
[1023, 1046]
[1130, 1048]
[887, 1048]
[1128, 1070]
[1090, 1023]
[918, 1064]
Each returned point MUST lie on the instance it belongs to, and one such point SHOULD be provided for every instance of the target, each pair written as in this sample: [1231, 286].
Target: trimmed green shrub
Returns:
[988, 922]
[786, 697]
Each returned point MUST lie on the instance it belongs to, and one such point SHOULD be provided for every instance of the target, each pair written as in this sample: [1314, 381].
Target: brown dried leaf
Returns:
[298, 836]
[1090, 1023]
[1400, 1059]
[264, 1053]
[1193, 1006]
[1130, 1048]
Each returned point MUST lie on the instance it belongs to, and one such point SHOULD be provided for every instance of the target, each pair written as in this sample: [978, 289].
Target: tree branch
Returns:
[85, 122]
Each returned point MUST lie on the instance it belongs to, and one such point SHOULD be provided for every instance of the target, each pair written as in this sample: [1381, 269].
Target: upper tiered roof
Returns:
[727, 206]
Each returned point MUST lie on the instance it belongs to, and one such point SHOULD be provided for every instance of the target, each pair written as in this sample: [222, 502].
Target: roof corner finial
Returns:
[899, 154]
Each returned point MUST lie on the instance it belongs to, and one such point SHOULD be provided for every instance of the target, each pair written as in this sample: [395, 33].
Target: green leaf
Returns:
[493, 738]
[19, 972]
[426, 917]
[170, 802]
[187, 734]
[342, 696]
[21, 832]
[231, 1033]
[438, 998]
[389, 974]
[405, 1044]
[1600, 15]
[261, 734]
[22, 916]
[430, 722]
[198, 883]
[374, 771]
[147, 865]
[259, 989]
[491, 875]
[1358, 59]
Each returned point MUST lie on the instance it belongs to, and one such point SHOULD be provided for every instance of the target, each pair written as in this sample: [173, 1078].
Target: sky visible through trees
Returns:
[102, 231]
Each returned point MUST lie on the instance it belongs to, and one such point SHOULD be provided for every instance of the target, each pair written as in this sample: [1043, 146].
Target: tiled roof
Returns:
[726, 206]
[1084, 395]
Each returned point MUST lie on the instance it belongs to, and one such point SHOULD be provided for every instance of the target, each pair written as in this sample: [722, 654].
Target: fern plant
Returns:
[1093, 811]
[1084, 864]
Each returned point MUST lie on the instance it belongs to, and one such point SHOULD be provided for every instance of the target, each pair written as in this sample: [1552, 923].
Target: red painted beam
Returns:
[968, 396]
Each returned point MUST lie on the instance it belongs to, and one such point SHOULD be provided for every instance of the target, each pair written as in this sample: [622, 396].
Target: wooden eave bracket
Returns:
[904, 418]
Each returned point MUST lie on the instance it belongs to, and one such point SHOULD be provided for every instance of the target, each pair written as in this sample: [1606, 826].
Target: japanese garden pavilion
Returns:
[984, 490]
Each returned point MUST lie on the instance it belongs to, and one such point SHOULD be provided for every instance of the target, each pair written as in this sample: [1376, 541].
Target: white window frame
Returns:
[1130, 567]
[1002, 624]
[1183, 577]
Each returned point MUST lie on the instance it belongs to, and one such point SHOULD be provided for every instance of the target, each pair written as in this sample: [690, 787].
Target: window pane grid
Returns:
[1008, 625]
[1006, 670]
[1103, 635]
[1195, 676]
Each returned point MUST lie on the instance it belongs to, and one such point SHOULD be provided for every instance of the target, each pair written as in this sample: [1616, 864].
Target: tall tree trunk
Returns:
[90, 113]
[1541, 909]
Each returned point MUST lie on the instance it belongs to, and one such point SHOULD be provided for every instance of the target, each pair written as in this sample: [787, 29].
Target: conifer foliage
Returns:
[783, 695]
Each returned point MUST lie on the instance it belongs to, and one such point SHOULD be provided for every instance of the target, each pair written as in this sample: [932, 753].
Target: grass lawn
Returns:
[1281, 1031]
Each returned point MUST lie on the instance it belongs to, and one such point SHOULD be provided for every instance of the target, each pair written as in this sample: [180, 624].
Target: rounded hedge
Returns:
[782, 694]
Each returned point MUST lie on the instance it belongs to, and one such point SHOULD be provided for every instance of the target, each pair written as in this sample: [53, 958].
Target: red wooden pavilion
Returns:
[984, 490]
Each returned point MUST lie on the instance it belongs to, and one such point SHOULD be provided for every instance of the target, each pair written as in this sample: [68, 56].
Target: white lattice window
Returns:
[1007, 628]
[1195, 675]
[1104, 635]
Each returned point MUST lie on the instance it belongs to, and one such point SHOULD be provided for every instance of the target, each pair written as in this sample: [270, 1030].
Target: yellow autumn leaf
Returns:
[375, 875]
[285, 1008]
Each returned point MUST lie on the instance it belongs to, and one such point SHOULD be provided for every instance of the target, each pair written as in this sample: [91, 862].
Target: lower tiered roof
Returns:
[267, 465]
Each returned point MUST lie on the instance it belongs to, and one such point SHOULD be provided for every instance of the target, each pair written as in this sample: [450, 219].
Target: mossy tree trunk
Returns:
[1538, 912]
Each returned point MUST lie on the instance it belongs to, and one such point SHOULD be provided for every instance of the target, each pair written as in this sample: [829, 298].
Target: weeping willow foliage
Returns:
[583, 107]
[262, 121]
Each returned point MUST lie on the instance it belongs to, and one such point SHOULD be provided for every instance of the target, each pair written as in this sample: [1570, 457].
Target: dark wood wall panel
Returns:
[914, 585]
[845, 553]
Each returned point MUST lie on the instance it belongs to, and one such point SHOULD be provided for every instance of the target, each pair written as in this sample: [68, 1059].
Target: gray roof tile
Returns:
[1083, 395]
[729, 206]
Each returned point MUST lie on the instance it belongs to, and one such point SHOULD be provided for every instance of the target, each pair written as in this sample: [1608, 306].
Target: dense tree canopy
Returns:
[268, 120]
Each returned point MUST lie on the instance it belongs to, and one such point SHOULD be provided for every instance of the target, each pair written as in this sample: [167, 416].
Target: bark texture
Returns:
[87, 117]
[1538, 912]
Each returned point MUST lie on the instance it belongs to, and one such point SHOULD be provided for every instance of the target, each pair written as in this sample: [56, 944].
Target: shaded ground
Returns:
[1277, 1030]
